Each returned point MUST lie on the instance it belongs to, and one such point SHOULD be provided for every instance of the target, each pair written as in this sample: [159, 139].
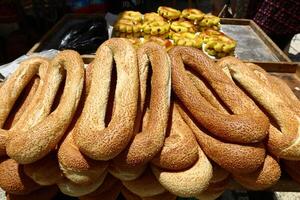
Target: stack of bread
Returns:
[147, 123]
[186, 28]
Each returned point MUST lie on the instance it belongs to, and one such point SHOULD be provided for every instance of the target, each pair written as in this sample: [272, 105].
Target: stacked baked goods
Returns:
[144, 122]
[189, 27]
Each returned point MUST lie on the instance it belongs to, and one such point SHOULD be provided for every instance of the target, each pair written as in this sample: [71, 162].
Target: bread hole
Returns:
[15, 112]
[111, 97]
[60, 90]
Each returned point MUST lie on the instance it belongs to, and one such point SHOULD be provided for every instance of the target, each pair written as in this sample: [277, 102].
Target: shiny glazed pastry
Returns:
[183, 26]
[187, 39]
[192, 14]
[168, 13]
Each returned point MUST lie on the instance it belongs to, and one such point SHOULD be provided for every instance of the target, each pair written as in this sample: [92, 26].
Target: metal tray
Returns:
[252, 43]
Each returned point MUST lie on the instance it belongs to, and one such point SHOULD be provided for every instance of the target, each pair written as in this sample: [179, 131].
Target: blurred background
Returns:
[24, 22]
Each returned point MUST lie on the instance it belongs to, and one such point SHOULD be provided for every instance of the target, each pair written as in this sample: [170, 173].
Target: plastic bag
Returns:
[85, 37]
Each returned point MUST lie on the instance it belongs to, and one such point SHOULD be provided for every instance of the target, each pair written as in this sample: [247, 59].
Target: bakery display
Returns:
[146, 123]
[191, 27]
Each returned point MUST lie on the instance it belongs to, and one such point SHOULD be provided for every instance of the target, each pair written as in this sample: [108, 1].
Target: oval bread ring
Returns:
[149, 142]
[45, 171]
[75, 166]
[192, 14]
[33, 144]
[91, 136]
[180, 150]
[168, 13]
[13, 179]
[145, 186]
[217, 185]
[27, 97]
[76, 190]
[12, 88]
[189, 182]
[45, 193]
[235, 158]
[265, 177]
[283, 142]
[247, 125]
[145, 145]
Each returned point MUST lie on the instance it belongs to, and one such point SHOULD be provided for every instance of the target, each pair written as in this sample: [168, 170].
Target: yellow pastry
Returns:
[169, 13]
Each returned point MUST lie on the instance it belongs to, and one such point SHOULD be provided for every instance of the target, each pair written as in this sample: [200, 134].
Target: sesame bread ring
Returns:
[76, 190]
[13, 179]
[147, 143]
[91, 136]
[189, 182]
[247, 124]
[168, 13]
[33, 144]
[12, 89]
[265, 177]
[108, 190]
[192, 14]
[131, 196]
[145, 186]
[284, 134]
[235, 158]
[180, 150]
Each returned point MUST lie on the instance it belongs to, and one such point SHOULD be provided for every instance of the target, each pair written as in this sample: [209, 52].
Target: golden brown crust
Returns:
[76, 190]
[13, 179]
[247, 124]
[12, 89]
[285, 141]
[31, 145]
[147, 143]
[189, 182]
[180, 150]
[91, 136]
[217, 185]
[45, 171]
[266, 176]
[235, 158]
[145, 186]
